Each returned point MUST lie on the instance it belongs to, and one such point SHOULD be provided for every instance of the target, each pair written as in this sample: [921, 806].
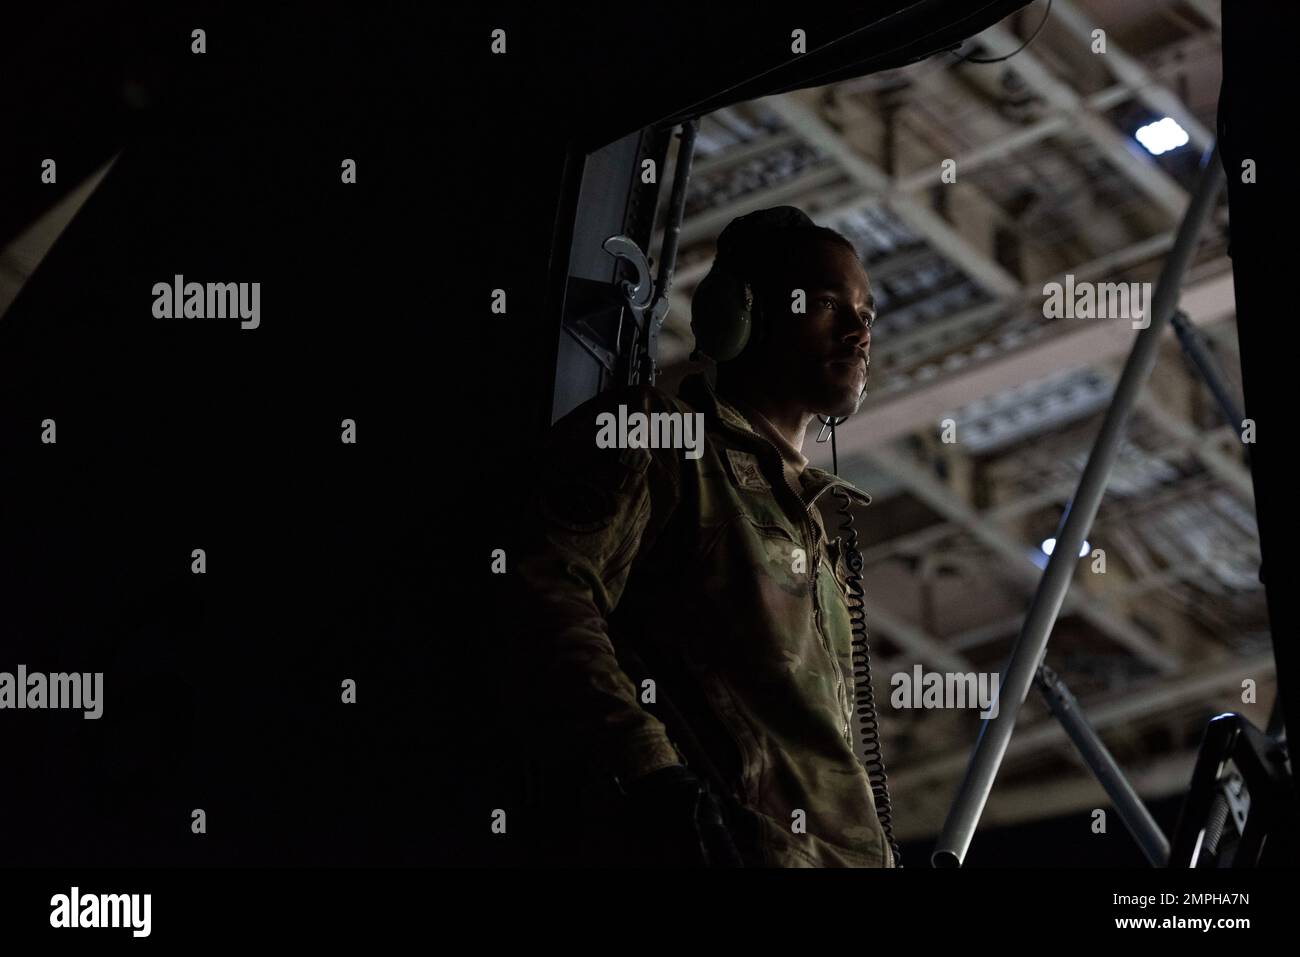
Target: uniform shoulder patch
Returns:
[744, 465]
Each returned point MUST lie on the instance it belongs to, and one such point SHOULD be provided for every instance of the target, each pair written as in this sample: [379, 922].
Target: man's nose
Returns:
[858, 330]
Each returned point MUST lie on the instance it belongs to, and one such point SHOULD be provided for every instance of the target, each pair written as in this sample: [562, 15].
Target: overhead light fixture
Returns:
[1161, 136]
[1050, 543]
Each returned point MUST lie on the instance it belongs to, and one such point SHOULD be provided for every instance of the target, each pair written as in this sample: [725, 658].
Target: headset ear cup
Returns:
[758, 327]
[721, 310]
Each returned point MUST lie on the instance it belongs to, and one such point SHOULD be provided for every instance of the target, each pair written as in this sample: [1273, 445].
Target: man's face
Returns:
[819, 358]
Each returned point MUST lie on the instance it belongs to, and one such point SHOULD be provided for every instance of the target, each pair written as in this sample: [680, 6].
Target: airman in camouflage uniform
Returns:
[690, 609]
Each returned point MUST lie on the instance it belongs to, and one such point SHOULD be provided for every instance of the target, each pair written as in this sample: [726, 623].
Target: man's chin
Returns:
[841, 403]
[840, 389]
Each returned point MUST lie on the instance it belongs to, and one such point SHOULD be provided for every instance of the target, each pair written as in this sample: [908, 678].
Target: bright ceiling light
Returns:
[1161, 136]
[1050, 543]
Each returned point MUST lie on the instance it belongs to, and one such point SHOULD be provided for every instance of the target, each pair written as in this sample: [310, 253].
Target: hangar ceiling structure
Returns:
[1050, 182]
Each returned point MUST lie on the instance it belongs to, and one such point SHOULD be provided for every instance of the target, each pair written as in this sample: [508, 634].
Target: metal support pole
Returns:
[1128, 805]
[654, 318]
[1031, 646]
[677, 206]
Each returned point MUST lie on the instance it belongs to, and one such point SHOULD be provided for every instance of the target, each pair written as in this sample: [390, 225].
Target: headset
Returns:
[724, 315]
[725, 318]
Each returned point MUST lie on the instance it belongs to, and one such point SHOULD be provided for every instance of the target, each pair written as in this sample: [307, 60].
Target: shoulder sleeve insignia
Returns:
[744, 466]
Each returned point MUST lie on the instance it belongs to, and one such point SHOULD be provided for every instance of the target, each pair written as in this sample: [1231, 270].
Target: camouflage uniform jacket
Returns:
[688, 572]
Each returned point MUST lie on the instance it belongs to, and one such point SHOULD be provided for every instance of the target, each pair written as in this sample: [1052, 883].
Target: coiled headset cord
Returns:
[869, 727]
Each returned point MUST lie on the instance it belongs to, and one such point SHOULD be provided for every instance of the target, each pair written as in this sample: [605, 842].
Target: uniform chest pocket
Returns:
[753, 532]
[759, 577]
[772, 550]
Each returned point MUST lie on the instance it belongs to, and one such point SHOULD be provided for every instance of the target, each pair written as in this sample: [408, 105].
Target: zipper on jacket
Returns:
[846, 702]
[814, 564]
[752, 433]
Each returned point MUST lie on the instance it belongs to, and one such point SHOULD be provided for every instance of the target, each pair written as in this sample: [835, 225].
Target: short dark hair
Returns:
[749, 246]
[807, 238]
